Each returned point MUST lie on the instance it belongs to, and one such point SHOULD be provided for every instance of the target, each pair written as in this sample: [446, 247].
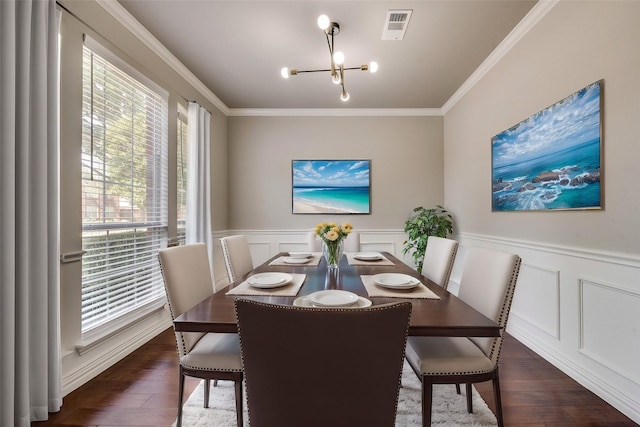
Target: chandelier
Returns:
[337, 69]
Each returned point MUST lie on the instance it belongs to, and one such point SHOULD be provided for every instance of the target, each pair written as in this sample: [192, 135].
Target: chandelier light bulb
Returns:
[323, 22]
[373, 66]
[336, 79]
[338, 58]
[344, 96]
[285, 72]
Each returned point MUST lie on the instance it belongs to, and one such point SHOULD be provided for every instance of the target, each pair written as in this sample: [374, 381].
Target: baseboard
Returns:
[117, 348]
[622, 402]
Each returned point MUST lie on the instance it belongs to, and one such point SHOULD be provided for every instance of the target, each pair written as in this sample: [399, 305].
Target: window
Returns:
[124, 190]
[182, 153]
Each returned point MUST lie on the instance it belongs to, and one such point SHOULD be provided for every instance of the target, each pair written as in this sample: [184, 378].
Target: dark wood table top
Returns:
[448, 316]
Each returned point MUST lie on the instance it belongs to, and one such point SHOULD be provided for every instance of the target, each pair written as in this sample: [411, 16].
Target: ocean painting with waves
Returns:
[331, 186]
[552, 159]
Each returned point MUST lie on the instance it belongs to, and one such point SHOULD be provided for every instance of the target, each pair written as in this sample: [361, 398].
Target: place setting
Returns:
[332, 298]
[396, 285]
[367, 258]
[298, 258]
[270, 283]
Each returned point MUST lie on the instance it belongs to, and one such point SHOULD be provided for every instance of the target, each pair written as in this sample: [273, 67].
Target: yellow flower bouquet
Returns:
[332, 236]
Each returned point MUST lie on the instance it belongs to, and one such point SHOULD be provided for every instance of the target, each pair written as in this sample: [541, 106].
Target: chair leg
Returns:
[180, 397]
[458, 388]
[496, 394]
[239, 417]
[215, 383]
[207, 389]
[427, 396]
[469, 402]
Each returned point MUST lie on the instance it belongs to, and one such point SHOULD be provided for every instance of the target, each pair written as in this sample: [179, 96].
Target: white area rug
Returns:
[449, 408]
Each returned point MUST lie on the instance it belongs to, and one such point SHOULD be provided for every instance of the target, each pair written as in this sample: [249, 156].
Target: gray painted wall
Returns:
[577, 43]
[406, 166]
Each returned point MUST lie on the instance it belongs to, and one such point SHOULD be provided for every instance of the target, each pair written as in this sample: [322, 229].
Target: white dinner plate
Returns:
[395, 281]
[333, 298]
[269, 280]
[305, 302]
[291, 260]
[368, 256]
[300, 254]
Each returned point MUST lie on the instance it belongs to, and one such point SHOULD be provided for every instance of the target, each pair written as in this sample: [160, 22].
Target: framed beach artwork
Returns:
[331, 186]
[551, 160]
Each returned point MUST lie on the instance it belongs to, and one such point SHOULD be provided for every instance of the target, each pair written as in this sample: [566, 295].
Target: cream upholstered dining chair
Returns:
[237, 256]
[488, 282]
[438, 260]
[187, 280]
[352, 242]
[313, 242]
[319, 367]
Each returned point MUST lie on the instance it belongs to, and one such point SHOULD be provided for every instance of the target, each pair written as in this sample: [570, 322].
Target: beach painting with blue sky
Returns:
[331, 186]
[552, 159]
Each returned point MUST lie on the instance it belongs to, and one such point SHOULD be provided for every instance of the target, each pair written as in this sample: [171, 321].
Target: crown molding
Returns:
[528, 22]
[137, 29]
[116, 10]
[334, 112]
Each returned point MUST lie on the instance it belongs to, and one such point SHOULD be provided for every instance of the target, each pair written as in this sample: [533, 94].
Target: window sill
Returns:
[97, 337]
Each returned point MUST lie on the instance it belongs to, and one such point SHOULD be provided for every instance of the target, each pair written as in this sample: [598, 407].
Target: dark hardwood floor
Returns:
[141, 390]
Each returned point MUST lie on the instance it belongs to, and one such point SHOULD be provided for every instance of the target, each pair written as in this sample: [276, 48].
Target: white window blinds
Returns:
[124, 191]
[182, 152]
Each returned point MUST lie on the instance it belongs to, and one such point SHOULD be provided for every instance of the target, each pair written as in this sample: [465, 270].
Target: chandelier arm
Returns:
[311, 71]
[327, 69]
[329, 43]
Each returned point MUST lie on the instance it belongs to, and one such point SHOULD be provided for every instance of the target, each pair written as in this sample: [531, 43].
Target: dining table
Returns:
[435, 311]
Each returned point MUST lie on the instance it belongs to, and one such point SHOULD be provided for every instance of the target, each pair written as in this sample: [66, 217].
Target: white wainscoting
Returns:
[579, 310]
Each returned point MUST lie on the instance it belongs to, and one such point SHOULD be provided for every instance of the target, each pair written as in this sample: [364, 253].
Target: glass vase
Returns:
[332, 252]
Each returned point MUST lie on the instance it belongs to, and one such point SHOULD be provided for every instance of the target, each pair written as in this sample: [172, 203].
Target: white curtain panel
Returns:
[30, 365]
[198, 222]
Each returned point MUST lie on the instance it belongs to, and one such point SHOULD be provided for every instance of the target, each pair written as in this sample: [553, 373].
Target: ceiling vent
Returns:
[395, 25]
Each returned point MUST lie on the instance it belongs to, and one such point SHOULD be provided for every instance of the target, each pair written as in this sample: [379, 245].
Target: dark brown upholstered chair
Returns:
[487, 284]
[319, 367]
[187, 280]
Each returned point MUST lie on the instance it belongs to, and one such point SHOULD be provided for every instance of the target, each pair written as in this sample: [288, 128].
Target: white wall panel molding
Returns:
[592, 299]
[609, 322]
[537, 298]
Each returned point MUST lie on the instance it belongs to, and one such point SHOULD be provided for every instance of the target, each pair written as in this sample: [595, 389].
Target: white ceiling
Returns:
[237, 48]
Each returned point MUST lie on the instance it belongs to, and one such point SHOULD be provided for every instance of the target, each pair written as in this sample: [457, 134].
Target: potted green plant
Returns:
[421, 224]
